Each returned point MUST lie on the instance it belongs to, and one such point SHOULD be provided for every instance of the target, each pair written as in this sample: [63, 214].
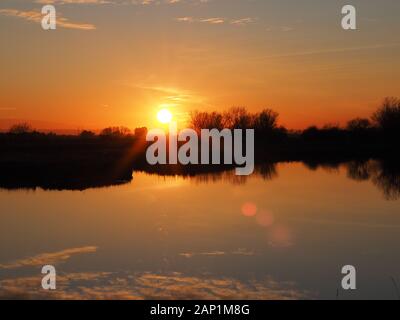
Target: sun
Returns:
[164, 116]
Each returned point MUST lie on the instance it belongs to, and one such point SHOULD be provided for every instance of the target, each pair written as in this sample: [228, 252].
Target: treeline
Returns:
[386, 118]
[116, 132]
[115, 151]
[383, 126]
[384, 123]
[235, 118]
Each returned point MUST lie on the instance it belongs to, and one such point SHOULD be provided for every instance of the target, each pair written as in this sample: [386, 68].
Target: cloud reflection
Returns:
[103, 285]
[240, 251]
[48, 258]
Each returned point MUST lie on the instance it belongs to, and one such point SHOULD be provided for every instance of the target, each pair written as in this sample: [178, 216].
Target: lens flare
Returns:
[265, 218]
[249, 209]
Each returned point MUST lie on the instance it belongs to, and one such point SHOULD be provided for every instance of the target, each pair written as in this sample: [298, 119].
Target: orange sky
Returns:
[291, 56]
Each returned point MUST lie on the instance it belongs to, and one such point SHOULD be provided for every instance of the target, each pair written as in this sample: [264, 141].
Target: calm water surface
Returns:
[285, 232]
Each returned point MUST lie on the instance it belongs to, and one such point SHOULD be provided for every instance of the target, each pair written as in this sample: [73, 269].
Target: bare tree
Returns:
[358, 124]
[115, 132]
[266, 120]
[237, 118]
[204, 120]
[20, 128]
[387, 117]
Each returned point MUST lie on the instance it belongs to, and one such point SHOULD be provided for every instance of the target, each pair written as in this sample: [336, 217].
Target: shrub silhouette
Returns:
[358, 124]
[205, 120]
[21, 128]
[87, 134]
[266, 120]
[140, 132]
[238, 118]
[387, 117]
[115, 132]
[234, 118]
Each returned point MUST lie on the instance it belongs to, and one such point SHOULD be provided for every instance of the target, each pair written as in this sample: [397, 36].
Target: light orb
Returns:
[164, 116]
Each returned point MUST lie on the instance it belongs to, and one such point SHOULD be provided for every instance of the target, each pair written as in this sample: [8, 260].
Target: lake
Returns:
[283, 233]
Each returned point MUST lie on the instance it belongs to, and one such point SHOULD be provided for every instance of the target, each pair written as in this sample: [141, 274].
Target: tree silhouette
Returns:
[115, 132]
[359, 124]
[266, 120]
[21, 128]
[387, 117]
[87, 134]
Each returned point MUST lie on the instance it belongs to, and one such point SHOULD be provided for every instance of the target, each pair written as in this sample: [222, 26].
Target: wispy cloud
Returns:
[218, 20]
[334, 50]
[243, 21]
[121, 2]
[36, 16]
[74, 1]
[239, 252]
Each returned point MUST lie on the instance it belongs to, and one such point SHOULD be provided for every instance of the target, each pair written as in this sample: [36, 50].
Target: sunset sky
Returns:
[117, 62]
